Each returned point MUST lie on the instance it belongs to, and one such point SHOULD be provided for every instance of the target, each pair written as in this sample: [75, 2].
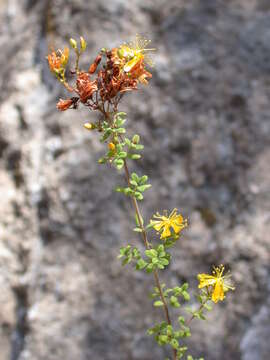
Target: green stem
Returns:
[78, 54]
[148, 246]
[200, 309]
[144, 236]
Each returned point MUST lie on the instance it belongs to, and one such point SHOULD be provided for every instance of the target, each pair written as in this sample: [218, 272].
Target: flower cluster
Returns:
[112, 73]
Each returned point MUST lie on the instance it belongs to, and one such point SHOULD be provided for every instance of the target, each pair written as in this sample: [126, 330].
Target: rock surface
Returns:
[204, 121]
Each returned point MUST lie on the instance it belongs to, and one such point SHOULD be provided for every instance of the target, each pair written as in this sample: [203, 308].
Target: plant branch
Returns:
[198, 311]
[148, 246]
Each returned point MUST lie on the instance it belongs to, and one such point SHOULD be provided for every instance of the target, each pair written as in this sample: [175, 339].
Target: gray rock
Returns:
[204, 120]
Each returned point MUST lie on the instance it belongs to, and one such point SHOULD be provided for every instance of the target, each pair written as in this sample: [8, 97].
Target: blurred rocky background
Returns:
[204, 120]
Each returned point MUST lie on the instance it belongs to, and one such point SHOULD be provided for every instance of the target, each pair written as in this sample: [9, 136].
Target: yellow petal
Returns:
[166, 231]
[125, 52]
[158, 225]
[130, 64]
[206, 280]
[218, 293]
[176, 227]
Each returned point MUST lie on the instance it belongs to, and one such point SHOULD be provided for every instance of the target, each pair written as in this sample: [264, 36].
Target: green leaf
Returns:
[136, 253]
[164, 262]
[151, 253]
[174, 343]
[181, 320]
[138, 195]
[143, 187]
[158, 303]
[128, 191]
[121, 115]
[141, 264]
[119, 120]
[135, 177]
[118, 147]
[122, 154]
[134, 156]
[139, 147]
[126, 260]
[177, 291]
[119, 163]
[166, 292]
[137, 229]
[185, 295]
[120, 130]
[184, 287]
[143, 179]
[174, 302]
[149, 268]
[162, 254]
[163, 339]
[133, 182]
[201, 316]
[169, 330]
[160, 248]
[106, 135]
[208, 306]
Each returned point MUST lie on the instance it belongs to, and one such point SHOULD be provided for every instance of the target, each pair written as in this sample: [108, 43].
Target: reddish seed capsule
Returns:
[93, 67]
[63, 105]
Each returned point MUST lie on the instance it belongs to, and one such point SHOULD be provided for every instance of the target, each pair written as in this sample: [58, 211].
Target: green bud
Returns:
[73, 43]
[83, 44]
[102, 161]
[158, 303]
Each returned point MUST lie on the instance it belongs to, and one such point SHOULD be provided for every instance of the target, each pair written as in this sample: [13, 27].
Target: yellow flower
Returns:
[164, 223]
[218, 284]
[134, 53]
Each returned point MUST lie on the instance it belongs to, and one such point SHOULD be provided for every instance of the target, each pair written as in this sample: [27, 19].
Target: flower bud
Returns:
[93, 67]
[89, 126]
[83, 44]
[73, 43]
[64, 57]
[111, 146]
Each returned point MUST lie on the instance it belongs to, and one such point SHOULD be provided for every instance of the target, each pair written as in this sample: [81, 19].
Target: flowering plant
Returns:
[101, 88]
